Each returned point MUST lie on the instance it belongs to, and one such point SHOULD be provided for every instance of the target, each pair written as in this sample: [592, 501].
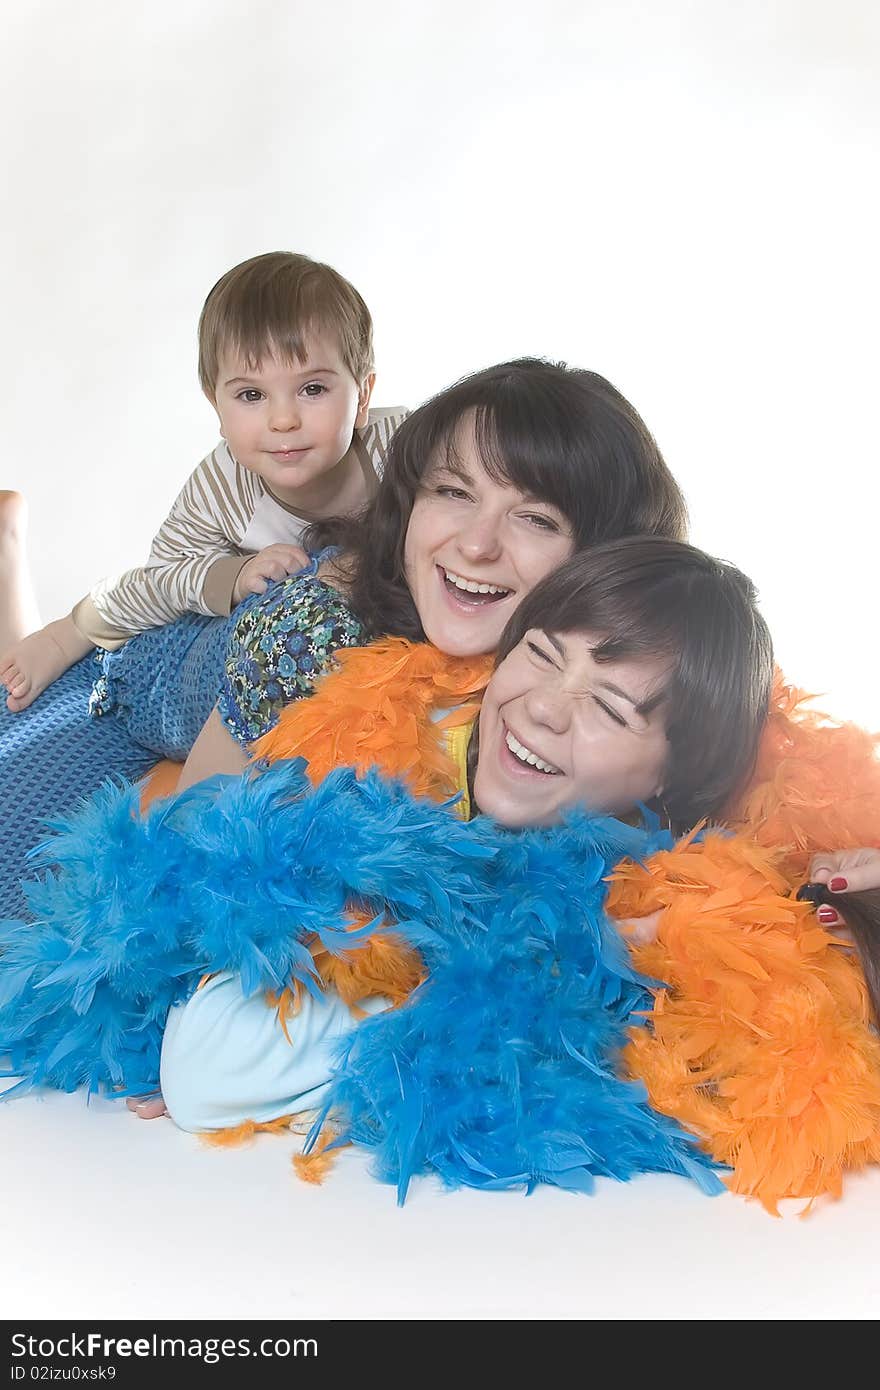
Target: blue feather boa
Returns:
[501, 1071]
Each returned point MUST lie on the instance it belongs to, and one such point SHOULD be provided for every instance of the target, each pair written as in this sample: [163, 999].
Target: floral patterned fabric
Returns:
[280, 644]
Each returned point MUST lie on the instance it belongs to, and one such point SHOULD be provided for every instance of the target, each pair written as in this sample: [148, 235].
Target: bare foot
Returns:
[13, 515]
[36, 661]
[18, 606]
[147, 1107]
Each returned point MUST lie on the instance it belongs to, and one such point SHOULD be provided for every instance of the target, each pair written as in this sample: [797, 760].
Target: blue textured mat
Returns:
[52, 755]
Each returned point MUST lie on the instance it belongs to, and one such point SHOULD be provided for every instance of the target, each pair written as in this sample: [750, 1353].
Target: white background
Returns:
[682, 196]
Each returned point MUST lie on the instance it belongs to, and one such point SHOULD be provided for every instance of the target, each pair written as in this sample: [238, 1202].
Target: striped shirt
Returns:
[223, 515]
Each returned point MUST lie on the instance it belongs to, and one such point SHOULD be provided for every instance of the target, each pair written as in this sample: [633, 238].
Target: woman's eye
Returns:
[612, 713]
[541, 654]
[544, 523]
[444, 490]
[315, 388]
[251, 395]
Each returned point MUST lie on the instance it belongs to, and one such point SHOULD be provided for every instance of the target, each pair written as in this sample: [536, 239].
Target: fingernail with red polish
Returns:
[827, 915]
[838, 885]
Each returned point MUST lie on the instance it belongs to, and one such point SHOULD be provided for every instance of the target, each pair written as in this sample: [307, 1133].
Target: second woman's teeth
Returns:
[525, 755]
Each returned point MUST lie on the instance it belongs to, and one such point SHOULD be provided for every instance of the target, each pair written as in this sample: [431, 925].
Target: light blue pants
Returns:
[225, 1058]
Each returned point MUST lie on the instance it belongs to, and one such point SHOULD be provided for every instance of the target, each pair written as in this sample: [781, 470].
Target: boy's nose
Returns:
[283, 418]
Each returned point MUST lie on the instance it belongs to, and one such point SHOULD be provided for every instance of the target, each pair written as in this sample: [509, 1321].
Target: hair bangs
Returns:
[282, 319]
[519, 445]
[253, 339]
[481, 419]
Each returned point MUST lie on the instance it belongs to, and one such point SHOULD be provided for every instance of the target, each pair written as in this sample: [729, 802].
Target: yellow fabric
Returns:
[457, 741]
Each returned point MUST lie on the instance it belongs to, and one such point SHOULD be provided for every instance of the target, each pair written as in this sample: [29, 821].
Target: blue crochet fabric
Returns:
[163, 684]
[51, 757]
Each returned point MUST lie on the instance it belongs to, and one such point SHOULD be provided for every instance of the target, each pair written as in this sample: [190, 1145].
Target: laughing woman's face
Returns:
[474, 548]
[559, 729]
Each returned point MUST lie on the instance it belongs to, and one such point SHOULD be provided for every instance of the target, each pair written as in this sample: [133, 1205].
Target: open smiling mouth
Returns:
[527, 758]
[471, 591]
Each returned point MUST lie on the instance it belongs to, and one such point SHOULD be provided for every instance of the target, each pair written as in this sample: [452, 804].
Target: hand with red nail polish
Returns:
[830, 918]
[847, 870]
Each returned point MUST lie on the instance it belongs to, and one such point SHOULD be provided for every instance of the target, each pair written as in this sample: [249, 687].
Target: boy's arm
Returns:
[193, 563]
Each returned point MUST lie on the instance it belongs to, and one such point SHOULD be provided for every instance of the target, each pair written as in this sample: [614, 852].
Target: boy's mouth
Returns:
[472, 591]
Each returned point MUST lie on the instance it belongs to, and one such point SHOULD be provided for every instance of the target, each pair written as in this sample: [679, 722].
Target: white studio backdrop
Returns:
[683, 196]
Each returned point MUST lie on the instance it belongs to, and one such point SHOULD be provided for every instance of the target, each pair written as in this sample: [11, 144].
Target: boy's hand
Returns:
[275, 562]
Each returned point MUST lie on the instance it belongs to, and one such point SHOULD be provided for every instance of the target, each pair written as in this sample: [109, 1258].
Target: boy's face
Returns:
[291, 423]
[559, 729]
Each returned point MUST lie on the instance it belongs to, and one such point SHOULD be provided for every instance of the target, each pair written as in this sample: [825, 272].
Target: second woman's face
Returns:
[474, 548]
[559, 729]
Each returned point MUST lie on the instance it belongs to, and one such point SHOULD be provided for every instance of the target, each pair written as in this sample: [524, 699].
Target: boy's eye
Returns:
[314, 388]
[250, 394]
[612, 713]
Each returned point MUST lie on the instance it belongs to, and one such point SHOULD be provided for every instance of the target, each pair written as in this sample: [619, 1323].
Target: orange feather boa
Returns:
[762, 1042]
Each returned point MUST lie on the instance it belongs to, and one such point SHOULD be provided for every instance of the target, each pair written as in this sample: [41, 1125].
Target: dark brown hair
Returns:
[861, 912]
[647, 596]
[562, 435]
[270, 304]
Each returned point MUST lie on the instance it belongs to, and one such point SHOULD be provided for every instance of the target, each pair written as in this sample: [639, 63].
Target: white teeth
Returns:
[526, 756]
[471, 585]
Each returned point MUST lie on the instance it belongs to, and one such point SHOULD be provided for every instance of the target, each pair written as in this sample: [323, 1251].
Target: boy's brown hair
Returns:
[270, 304]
